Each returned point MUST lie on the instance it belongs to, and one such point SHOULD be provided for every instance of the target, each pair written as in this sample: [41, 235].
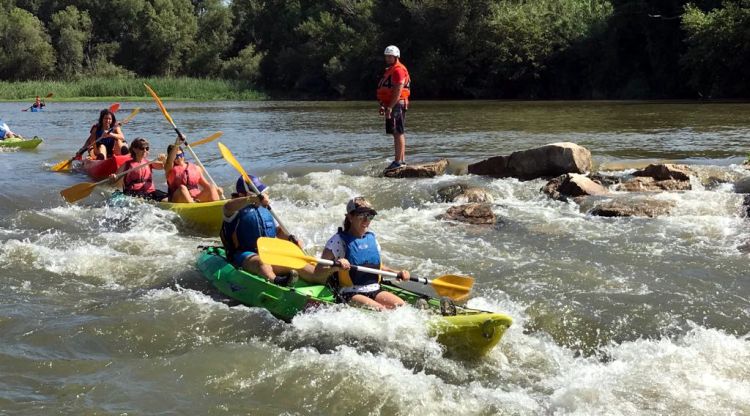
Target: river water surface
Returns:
[103, 311]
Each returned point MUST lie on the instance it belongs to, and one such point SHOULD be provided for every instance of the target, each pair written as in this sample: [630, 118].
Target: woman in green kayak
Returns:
[355, 245]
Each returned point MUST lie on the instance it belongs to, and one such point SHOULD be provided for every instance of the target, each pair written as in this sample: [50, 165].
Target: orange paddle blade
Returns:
[159, 103]
[77, 191]
[207, 139]
[453, 286]
[62, 165]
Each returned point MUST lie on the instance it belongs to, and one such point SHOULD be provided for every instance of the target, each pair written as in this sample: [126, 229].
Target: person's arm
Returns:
[169, 164]
[158, 164]
[402, 274]
[237, 204]
[119, 183]
[115, 133]
[328, 255]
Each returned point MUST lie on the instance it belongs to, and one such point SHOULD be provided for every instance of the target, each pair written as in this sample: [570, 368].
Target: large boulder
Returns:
[542, 162]
[572, 185]
[422, 170]
[631, 207]
[648, 184]
[463, 193]
[742, 186]
[663, 172]
[474, 213]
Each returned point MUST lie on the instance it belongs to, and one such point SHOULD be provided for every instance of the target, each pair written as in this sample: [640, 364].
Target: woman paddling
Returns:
[110, 137]
[185, 180]
[355, 245]
[140, 182]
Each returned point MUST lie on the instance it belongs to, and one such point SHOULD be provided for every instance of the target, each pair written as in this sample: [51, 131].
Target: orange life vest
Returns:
[385, 86]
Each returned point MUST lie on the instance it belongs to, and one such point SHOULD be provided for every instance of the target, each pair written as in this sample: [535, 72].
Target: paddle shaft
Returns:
[384, 273]
[192, 153]
[122, 174]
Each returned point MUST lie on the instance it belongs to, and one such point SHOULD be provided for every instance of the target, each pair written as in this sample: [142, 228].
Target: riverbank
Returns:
[131, 89]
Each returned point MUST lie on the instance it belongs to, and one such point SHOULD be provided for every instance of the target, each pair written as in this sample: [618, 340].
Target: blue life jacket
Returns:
[243, 231]
[360, 252]
[109, 142]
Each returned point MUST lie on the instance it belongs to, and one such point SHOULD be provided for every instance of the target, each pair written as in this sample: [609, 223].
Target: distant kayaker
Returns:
[140, 183]
[393, 95]
[356, 245]
[5, 132]
[105, 138]
[247, 218]
[38, 103]
[185, 180]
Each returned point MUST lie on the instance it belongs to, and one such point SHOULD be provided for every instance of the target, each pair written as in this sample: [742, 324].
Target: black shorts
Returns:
[395, 124]
[157, 195]
[346, 297]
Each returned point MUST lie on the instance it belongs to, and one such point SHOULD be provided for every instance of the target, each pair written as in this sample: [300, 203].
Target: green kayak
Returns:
[465, 332]
[21, 143]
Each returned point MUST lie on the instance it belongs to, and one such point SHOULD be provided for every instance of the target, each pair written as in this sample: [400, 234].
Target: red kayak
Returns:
[100, 169]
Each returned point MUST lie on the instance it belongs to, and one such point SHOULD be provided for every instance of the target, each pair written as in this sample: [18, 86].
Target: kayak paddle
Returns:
[64, 164]
[169, 119]
[84, 189]
[229, 157]
[46, 96]
[278, 252]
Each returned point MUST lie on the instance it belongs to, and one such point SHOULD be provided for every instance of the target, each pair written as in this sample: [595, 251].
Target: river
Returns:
[103, 311]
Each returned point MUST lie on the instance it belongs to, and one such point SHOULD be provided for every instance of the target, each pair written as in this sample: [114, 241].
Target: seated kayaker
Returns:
[140, 182]
[5, 132]
[355, 245]
[247, 218]
[185, 181]
[38, 103]
[106, 139]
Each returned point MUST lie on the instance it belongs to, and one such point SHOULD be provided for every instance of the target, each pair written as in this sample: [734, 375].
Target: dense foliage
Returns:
[332, 48]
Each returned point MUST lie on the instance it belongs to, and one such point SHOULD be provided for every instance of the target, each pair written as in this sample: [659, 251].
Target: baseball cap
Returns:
[258, 184]
[358, 205]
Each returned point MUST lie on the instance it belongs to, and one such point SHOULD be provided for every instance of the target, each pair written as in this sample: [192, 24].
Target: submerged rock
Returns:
[666, 171]
[422, 170]
[474, 213]
[542, 162]
[572, 185]
[628, 207]
[463, 193]
[648, 184]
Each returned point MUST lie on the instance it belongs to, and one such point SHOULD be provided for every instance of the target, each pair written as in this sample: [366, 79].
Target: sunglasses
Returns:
[144, 148]
[179, 155]
[366, 216]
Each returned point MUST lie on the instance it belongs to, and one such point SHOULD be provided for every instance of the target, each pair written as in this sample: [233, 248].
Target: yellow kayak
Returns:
[205, 217]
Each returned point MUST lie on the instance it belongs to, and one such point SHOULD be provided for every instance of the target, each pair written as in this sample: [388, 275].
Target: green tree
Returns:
[718, 52]
[71, 32]
[25, 49]
[213, 38]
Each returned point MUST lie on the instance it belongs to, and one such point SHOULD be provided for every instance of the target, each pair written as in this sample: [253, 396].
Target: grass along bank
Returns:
[131, 89]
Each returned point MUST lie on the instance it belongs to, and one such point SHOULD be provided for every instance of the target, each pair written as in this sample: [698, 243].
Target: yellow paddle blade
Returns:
[283, 253]
[131, 115]
[62, 165]
[453, 286]
[207, 139]
[78, 191]
[159, 103]
[229, 157]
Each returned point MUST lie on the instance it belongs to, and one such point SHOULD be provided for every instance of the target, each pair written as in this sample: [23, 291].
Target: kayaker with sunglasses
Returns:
[356, 245]
[185, 181]
[140, 182]
[247, 218]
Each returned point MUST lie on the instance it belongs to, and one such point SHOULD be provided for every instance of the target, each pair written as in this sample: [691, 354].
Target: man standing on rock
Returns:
[393, 95]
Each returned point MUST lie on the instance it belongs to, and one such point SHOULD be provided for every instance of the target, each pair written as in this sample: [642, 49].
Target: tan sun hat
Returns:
[359, 205]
